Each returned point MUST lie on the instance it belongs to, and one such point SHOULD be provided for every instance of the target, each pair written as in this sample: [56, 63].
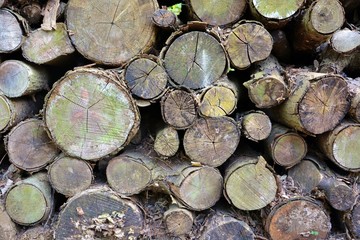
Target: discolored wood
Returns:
[341, 145]
[352, 219]
[164, 18]
[8, 228]
[29, 147]
[146, 78]
[285, 146]
[48, 47]
[32, 13]
[275, 14]
[101, 208]
[219, 226]
[70, 176]
[281, 48]
[195, 59]
[90, 114]
[11, 31]
[167, 142]
[320, 20]
[111, 32]
[354, 91]
[211, 141]
[299, 218]
[179, 221]
[317, 103]
[178, 108]
[39, 232]
[248, 43]
[248, 183]
[30, 202]
[217, 13]
[267, 87]
[255, 125]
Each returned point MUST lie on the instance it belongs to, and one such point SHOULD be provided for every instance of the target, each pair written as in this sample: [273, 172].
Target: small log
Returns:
[354, 90]
[248, 183]
[195, 59]
[21, 79]
[8, 228]
[298, 218]
[341, 145]
[14, 111]
[255, 125]
[123, 29]
[40, 232]
[30, 202]
[178, 108]
[178, 221]
[32, 12]
[70, 176]
[211, 141]
[12, 31]
[29, 147]
[320, 20]
[167, 142]
[267, 87]
[352, 220]
[48, 47]
[316, 104]
[219, 13]
[286, 147]
[281, 48]
[248, 43]
[90, 114]
[165, 19]
[145, 77]
[99, 213]
[275, 14]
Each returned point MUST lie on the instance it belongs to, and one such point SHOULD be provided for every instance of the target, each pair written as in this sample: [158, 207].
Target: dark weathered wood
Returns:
[352, 221]
[281, 47]
[255, 125]
[32, 13]
[39, 232]
[8, 228]
[164, 19]
[90, 114]
[179, 221]
[12, 31]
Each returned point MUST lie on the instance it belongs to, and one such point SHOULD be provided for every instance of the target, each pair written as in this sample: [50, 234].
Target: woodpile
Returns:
[181, 119]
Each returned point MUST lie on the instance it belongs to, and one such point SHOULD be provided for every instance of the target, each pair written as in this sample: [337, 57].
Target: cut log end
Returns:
[6, 113]
[164, 18]
[11, 33]
[179, 221]
[167, 142]
[256, 126]
[218, 101]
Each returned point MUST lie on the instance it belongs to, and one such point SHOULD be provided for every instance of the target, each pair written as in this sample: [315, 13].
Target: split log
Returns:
[320, 20]
[298, 218]
[316, 104]
[178, 221]
[354, 90]
[211, 141]
[30, 201]
[14, 111]
[167, 142]
[286, 147]
[248, 43]
[8, 228]
[29, 147]
[255, 125]
[145, 77]
[178, 108]
[70, 176]
[20, 79]
[275, 14]
[267, 87]
[99, 213]
[341, 145]
[90, 114]
[248, 183]
[219, 13]
[111, 33]
[352, 221]
[48, 47]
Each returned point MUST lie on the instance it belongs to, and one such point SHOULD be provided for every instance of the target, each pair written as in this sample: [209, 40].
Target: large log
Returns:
[90, 114]
[111, 32]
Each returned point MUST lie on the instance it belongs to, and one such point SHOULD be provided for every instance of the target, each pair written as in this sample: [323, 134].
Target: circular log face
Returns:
[5, 113]
[11, 34]
[90, 115]
[353, 221]
[306, 174]
[218, 101]
[195, 60]
[327, 16]
[14, 78]
[345, 40]
[111, 31]
[256, 126]
[277, 9]
[178, 222]
[345, 147]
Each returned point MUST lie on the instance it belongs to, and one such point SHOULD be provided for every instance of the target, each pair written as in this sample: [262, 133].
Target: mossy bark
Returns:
[255, 125]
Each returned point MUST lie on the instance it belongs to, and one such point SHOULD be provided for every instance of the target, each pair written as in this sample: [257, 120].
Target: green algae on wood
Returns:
[90, 114]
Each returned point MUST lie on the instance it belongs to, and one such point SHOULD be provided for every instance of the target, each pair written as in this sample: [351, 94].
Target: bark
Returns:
[211, 141]
[30, 201]
[99, 213]
[255, 125]
[178, 108]
[29, 147]
[286, 147]
[248, 183]
[70, 176]
[298, 218]
[267, 87]
[146, 78]
[165, 19]
[248, 43]
[354, 90]
[90, 114]
[317, 102]
[32, 12]
[178, 221]
[199, 53]
[167, 142]
[352, 220]
[275, 14]
[219, 13]
[48, 47]
[50, 15]
[8, 229]
[21, 79]
[341, 145]
[40, 232]
[317, 24]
